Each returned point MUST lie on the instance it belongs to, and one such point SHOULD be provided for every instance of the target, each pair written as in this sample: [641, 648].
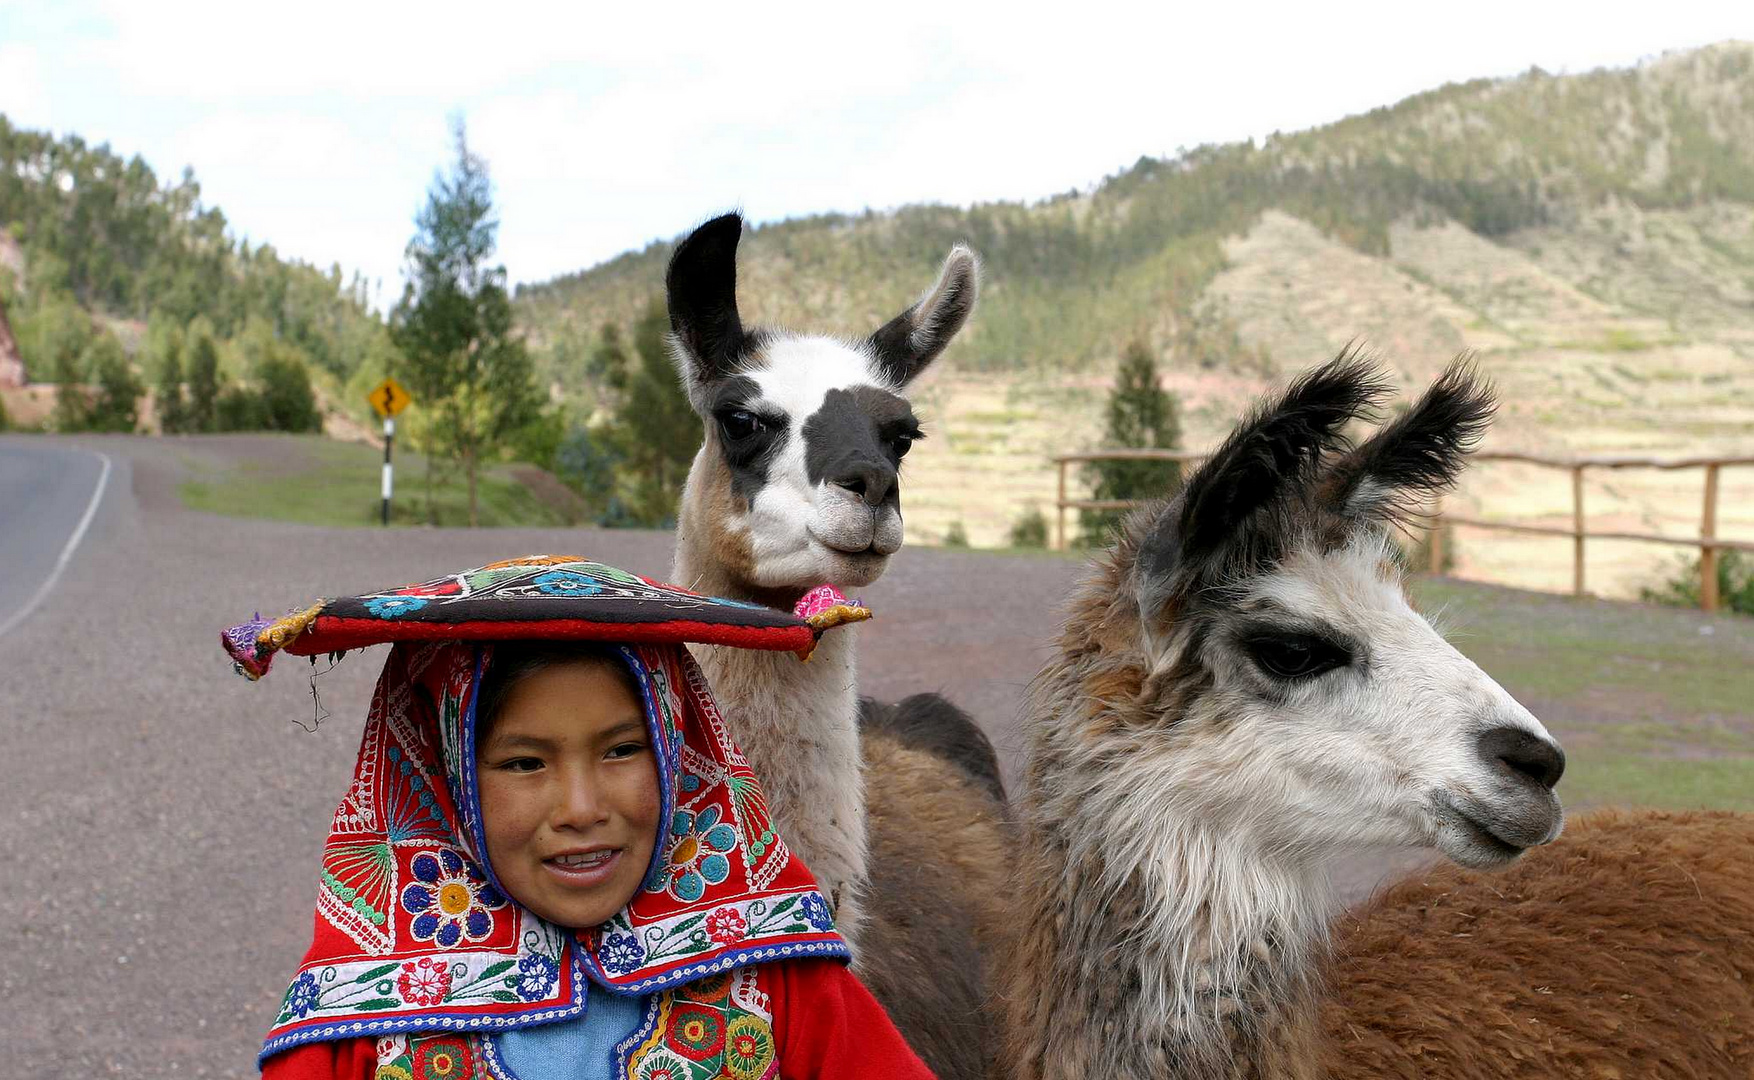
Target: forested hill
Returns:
[1074, 276]
[92, 243]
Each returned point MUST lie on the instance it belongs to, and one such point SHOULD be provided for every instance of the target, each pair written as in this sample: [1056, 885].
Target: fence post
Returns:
[1577, 530]
[1060, 532]
[1436, 566]
[1708, 598]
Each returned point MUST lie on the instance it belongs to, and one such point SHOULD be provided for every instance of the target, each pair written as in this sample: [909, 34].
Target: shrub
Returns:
[239, 409]
[956, 536]
[1030, 530]
[1735, 584]
[588, 460]
[1417, 553]
[288, 402]
[117, 407]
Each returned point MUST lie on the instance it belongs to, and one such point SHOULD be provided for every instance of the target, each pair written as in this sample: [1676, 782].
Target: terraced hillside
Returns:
[1590, 236]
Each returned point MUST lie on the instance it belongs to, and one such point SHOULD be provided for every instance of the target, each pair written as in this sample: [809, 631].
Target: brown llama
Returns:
[1242, 692]
[1622, 950]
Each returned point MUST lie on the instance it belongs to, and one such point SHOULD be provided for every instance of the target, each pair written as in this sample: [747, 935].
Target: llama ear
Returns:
[701, 289]
[1226, 515]
[1418, 455]
[913, 339]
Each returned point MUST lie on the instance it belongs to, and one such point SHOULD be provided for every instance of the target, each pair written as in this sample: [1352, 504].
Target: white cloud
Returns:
[608, 127]
[311, 185]
[24, 93]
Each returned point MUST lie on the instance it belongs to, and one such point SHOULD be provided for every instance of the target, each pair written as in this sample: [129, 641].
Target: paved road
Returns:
[161, 819]
[48, 497]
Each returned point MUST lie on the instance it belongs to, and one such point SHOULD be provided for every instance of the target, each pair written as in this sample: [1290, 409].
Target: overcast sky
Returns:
[318, 128]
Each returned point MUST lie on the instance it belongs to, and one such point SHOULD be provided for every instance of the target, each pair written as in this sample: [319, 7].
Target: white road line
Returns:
[66, 552]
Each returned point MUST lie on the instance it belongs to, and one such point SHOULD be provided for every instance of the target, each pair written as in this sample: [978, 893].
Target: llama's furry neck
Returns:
[1162, 935]
[797, 723]
[1157, 944]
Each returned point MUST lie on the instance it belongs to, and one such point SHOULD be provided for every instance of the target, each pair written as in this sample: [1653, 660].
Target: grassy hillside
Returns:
[1072, 277]
[1591, 236]
[88, 228]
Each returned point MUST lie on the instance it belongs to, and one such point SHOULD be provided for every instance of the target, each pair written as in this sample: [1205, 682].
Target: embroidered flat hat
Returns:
[554, 597]
[413, 930]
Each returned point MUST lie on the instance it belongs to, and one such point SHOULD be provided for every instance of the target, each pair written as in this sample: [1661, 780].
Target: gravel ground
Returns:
[161, 819]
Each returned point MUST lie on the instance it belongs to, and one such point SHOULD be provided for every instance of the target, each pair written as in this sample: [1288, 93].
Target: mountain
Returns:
[1590, 235]
[1136, 254]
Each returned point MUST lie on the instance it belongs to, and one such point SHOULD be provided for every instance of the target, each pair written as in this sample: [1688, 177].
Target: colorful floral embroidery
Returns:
[536, 976]
[443, 1058]
[816, 910]
[389, 607]
[697, 1032]
[451, 901]
[424, 981]
[748, 1048]
[566, 583]
[706, 1030]
[697, 853]
[302, 996]
[710, 989]
[726, 926]
[621, 953]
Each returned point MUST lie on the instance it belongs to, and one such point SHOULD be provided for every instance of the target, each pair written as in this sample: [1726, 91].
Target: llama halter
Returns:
[413, 931]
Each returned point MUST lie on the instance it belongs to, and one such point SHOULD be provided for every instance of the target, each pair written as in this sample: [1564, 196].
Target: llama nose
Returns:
[1525, 753]
[870, 481]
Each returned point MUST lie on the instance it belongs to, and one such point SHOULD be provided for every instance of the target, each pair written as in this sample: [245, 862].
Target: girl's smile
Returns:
[584, 868]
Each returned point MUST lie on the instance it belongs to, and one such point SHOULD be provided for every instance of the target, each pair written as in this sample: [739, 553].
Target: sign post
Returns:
[387, 399]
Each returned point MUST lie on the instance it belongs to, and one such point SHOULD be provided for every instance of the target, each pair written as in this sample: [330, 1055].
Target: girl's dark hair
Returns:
[513, 662]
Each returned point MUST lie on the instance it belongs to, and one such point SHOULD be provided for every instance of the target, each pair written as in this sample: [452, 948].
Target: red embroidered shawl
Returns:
[413, 932]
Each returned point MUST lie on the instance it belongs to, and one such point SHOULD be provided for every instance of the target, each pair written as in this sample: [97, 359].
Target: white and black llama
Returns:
[796, 484]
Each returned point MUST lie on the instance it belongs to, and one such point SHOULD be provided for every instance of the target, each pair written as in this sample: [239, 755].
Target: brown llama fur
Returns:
[1145, 934]
[1625, 949]
[936, 905]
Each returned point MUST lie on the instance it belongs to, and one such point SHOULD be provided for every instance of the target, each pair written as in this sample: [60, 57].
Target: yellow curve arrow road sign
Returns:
[388, 398]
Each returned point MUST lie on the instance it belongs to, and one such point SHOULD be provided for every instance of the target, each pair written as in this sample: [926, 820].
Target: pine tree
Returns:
[288, 402]
[203, 379]
[608, 362]
[72, 399]
[173, 411]
[1140, 414]
[117, 404]
[655, 431]
[466, 369]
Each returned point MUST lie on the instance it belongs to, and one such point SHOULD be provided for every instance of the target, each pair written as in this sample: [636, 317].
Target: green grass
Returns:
[1669, 783]
[1651, 711]
[1630, 653]
[321, 482]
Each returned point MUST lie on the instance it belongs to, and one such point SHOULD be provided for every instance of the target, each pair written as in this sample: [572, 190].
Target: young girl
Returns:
[553, 862]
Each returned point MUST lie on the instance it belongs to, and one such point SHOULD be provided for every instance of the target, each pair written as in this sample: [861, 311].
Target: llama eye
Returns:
[740, 424]
[901, 444]
[1296, 656]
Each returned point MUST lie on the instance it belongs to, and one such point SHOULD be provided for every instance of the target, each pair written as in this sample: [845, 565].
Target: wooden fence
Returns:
[1708, 542]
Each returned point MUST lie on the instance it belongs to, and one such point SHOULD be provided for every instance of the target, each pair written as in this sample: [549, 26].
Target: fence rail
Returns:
[1707, 542]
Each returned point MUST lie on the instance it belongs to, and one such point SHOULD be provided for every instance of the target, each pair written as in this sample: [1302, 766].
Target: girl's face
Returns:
[569, 793]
